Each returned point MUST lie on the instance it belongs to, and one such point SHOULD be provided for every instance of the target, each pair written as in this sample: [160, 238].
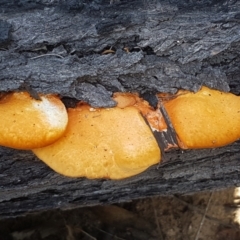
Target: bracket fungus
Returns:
[206, 119]
[27, 123]
[125, 140]
[110, 143]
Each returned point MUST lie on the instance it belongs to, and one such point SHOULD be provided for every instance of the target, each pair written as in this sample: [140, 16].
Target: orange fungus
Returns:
[27, 123]
[153, 116]
[206, 119]
[110, 143]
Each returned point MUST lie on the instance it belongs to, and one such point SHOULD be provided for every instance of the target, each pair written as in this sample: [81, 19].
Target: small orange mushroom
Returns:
[27, 123]
[110, 143]
[206, 119]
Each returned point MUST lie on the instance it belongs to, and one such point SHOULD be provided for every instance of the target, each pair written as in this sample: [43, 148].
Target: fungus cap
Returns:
[110, 143]
[206, 119]
[27, 123]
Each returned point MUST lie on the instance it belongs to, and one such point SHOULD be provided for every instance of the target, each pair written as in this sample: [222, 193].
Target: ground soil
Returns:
[208, 215]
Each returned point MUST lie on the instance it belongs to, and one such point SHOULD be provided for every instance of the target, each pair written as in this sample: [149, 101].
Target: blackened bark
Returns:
[57, 46]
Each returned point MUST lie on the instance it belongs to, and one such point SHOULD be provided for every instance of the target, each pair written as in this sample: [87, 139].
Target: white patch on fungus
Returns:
[51, 112]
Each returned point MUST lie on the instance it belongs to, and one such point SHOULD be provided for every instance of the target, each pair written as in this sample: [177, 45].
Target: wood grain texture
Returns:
[29, 185]
[56, 46]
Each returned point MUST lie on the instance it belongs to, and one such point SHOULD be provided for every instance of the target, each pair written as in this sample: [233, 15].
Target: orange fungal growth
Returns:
[206, 119]
[27, 123]
[154, 117]
[110, 143]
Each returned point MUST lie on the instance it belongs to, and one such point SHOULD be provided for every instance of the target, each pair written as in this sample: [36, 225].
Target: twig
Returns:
[157, 222]
[114, 237]
[70, 233]
[87, 234]
[48, 54]
[203, 217]
[201, 211]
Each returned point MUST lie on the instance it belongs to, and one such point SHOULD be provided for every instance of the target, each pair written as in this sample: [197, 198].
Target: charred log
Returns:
[153, 46]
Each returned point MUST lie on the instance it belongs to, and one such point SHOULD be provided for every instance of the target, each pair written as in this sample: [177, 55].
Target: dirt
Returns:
[209, 215]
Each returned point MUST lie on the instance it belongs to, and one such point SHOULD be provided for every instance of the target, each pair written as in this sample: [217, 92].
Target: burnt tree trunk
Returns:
[57, 46]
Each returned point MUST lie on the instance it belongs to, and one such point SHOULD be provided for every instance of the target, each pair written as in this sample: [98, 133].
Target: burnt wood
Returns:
[58, 46]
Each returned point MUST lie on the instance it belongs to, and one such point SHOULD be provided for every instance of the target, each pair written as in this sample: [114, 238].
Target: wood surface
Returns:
[58, 46]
